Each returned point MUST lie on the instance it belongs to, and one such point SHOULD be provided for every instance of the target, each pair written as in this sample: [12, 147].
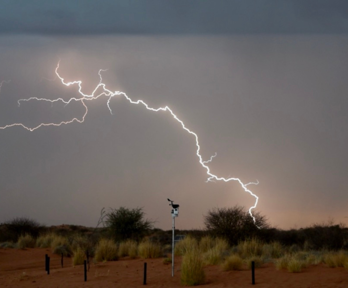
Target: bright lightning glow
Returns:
[103, 91]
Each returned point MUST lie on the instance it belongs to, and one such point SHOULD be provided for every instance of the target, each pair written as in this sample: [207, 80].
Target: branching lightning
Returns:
[104, 91]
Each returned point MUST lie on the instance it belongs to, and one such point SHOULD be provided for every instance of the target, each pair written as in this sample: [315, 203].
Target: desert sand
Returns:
[26, 268]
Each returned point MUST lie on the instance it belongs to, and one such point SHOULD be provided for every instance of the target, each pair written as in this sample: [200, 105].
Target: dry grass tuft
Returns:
[186, 245]
[338, 259]
[148, 249]
[60, 245]
[26, 241]
[250, 248]
[128, 248]
[257, 259]
[234, 262]
[78, 256]
[44, 241]
[206, 243]
[295, 265]
[192, 272]
[106, 250]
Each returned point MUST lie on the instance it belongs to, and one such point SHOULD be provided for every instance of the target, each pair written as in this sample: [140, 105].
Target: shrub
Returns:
[79, 241]
[26, 241]
[192, 272]
[125, 223]
[188, 244]
[78, 256]
[234, 262]
[233, 224]
[106, 250]
[147, 249]
[17, 227]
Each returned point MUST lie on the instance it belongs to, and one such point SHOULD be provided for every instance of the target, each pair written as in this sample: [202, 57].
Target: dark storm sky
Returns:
[262, 83]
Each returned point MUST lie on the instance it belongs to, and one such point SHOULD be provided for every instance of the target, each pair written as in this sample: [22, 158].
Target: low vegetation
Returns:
[26, 241]
[148, 249]
[106, 250]
[192, 272]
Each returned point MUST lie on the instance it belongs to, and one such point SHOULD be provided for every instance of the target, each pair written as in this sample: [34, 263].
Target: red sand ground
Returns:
[129, 273]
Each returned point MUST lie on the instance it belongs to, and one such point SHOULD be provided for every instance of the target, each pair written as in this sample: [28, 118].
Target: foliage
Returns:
[60, 245]
[192, 272]
[250, 248]
[45, 241]
[13, 229]
[5, 245]
[295, 265]
[233, 224]
[257, 260]
[125, 223]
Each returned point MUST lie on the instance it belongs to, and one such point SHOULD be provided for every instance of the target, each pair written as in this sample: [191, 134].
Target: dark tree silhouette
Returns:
[234, 224]
[124, 223]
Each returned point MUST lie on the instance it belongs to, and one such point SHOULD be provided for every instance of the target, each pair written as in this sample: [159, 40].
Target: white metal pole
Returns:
[173, 245]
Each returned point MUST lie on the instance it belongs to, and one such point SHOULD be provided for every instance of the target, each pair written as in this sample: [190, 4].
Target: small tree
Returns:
[234, 224]
[125, 223]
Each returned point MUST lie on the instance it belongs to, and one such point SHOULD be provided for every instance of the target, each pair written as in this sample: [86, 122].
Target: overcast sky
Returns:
[262, 83]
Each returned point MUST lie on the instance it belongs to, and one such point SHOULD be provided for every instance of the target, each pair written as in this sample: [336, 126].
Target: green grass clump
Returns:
[128, 248]
[148, 249]
[192, 272]
[45, 241]
[233, 262]
[79, 256]
[185, 245]
[26, 241]
[106, 250]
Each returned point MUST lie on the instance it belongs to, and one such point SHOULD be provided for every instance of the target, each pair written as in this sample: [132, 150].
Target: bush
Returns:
[282, 263]
[13, 229]
[188, 244]
[106, 250]
[234, 262]
[233, 224]
[124, 223]
[79, 257]
[147, 249]
[192, 272]
[26, 241]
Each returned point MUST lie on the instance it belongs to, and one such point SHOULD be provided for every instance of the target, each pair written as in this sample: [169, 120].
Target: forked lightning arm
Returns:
[103, 91]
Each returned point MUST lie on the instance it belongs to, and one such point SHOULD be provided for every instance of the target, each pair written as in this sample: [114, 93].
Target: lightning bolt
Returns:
[101, 90]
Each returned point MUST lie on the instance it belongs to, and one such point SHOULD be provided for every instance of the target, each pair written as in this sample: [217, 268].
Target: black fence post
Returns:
[46, 262]
[61, 260]
[145, 268]
[253, 272]
[87, 257]
[48, 265]
[85, 269]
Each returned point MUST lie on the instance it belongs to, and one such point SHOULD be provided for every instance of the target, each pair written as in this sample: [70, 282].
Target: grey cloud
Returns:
[173, 17]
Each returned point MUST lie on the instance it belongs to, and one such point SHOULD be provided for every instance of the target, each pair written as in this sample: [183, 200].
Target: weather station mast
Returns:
[175, 213]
